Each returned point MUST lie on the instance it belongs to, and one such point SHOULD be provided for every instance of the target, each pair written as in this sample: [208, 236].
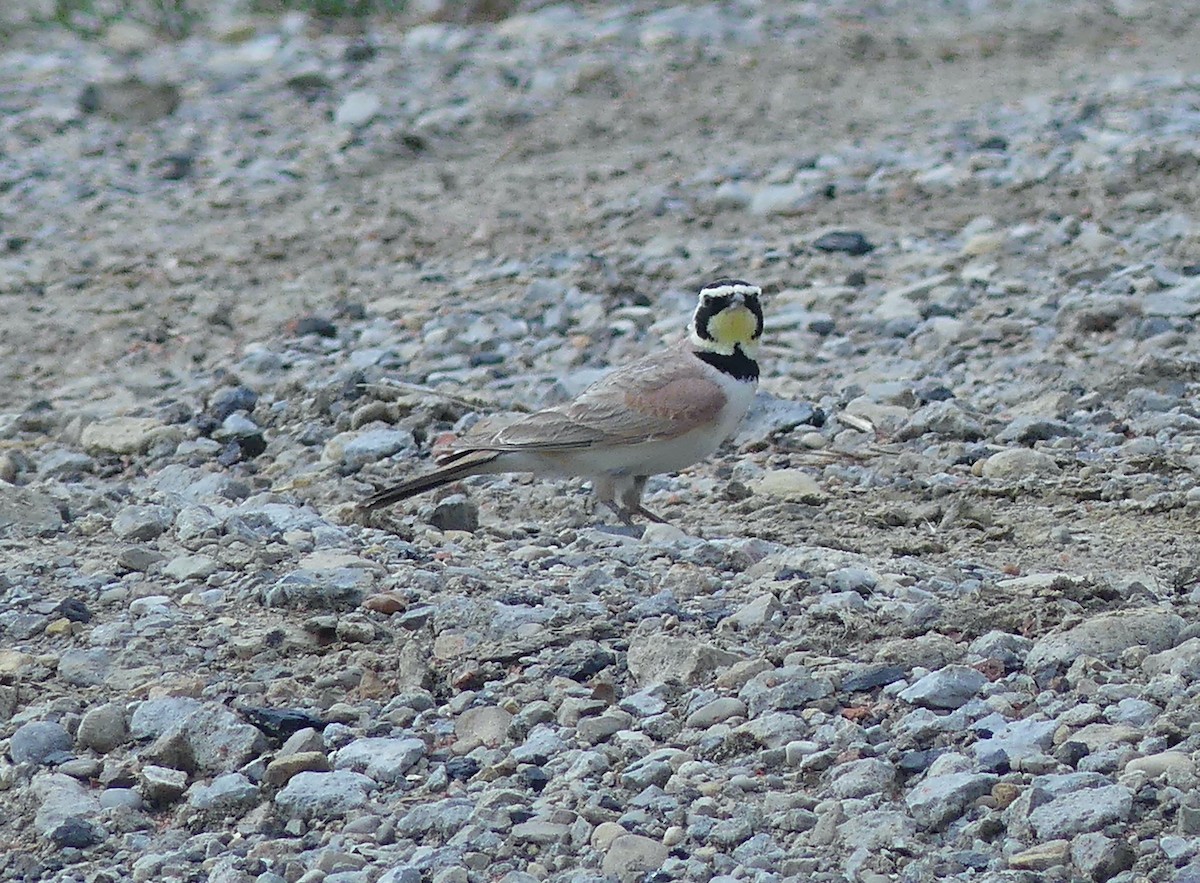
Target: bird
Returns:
[659, 414]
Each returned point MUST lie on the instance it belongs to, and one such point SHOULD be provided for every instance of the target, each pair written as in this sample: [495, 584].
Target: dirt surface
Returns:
[1027, 175]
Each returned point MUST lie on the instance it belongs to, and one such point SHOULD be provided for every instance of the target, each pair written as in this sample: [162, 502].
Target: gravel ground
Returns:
[931, 615]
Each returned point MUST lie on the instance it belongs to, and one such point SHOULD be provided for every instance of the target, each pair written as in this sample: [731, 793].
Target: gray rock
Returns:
[784, 200]
[1082, 811]
[950, 687]
[195, 522]
[60, 798]
[357, 109]
[655, 659]
[36, 741]
[65, 464]
[27, 512]
[878, 829]
[353, 450]
[543, 743]
[1106, 637]
[84, 668]
[1026, 430]
[1003, 647]
[716, 711]
[383, 759]
[946, 418]
[862, 778]
[76, 833]
[455, 512]
[141, 522]
[339, 588]
[630, 857]
[309, 795]
[936, 801]
[1100, 857]
[1014, 741]
[783, 689]
[102, 728]
[152, 718]
[220, 740]
[161, 784]
[130, 100]
[121, 435]
[114, 798]
[1017, 464]
[755, 614]
[190, 567]
[230, 791]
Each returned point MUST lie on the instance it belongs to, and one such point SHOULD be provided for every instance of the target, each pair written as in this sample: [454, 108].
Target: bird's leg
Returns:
[632, 500]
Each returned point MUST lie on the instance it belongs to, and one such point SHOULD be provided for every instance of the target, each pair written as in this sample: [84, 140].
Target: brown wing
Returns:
[660, 397]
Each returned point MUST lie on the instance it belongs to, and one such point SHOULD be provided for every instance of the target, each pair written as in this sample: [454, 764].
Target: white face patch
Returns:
[731, 289]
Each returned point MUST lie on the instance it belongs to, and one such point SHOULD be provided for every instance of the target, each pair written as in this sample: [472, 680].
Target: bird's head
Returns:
[728, 317]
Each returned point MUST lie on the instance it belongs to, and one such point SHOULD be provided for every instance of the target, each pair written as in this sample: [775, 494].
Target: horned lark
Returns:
[659, 414]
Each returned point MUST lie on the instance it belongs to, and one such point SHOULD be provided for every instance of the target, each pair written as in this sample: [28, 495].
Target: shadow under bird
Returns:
[659, 414]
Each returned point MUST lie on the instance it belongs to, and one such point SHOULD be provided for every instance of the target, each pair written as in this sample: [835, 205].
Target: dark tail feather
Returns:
[423, 483]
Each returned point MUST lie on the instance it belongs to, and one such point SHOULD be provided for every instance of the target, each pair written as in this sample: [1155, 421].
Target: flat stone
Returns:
[1016, 464]
[938, 800]
[950, 687]
[795, 485]
[121, 435]
[658, 659]
[37, 740]
[282, 769]
[1041, 857]
[1081, 811]
[383, 759]
[28, 512]
[323, 795]
[486, 723]
[541, 832]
